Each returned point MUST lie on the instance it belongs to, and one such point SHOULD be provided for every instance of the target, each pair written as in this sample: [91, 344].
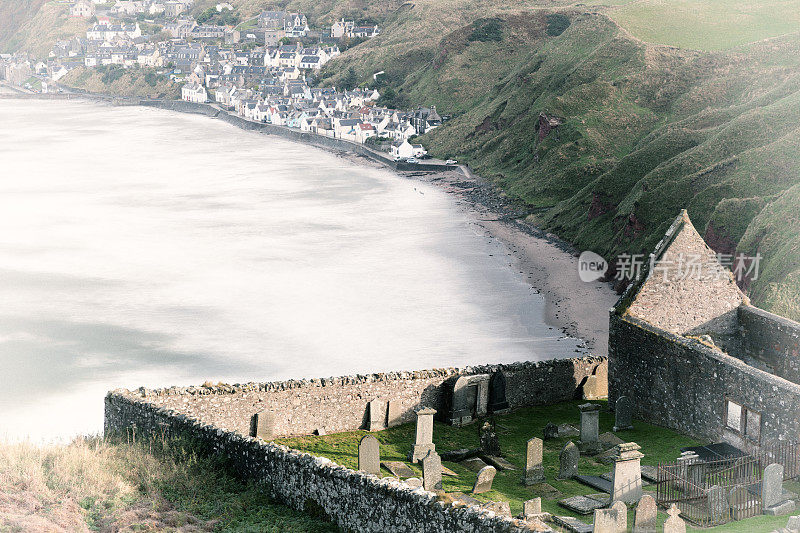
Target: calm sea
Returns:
[143, 247]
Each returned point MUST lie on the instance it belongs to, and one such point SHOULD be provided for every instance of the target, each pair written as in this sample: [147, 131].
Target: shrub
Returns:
[556, 24]
[485, 30]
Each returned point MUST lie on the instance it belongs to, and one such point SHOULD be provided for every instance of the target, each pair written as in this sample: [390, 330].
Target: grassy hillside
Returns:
[641, 131]
[37, 26]
[113, 79]
[94, 485]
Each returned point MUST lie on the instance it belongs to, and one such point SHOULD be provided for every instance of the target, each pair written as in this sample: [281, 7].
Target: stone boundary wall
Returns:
[680, 383]
[350, 499]
[772, 339]
[340, 404]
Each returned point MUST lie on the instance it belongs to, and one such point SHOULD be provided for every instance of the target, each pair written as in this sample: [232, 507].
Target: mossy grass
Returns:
[514, 429]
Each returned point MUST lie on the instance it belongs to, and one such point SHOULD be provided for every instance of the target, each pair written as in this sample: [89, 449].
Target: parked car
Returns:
[412, 160]
[450, 162]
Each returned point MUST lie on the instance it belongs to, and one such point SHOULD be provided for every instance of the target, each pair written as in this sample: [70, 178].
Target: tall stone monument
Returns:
[424, 439]
[626, 478]
[590, 429]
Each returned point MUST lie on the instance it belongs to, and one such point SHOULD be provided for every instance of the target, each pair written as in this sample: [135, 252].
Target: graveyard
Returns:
[513, 430]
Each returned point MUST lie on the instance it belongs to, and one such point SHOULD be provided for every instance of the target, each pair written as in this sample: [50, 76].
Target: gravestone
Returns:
[646, 515]
[550, 431]
[470, 398]
[534, 471]
[590, 429]
[490, 443]
[424, 438]
[718, 506]
[262, 425]
[432, 471]
[773, 499]
[369, 455]
[740, 501]
[497, 393]
[483, 483]
[674, 523]
[611, 520]
[377, 415]
[568, 460]
[499, 508]
[793, 524]
[623, 414]
[772, 485]
[394, 414]
[532, 507]
[626, 479]
[596, 385]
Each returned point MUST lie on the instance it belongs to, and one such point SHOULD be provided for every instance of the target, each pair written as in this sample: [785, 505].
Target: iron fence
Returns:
[710, 493]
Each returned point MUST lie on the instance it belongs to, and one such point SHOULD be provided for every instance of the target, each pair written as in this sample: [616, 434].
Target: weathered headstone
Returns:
[534, 471]
[262, 425]
[369, 455]
[793, 524]
[532, 507]
[568, 430]
[424, 438]
[394, 414]
[483, 483]
[718, 506]
[550, 431]
[500, 508]
[774, 501]
[490, 443]
[626, 479]
[623, 414]
[674, 523]
[772, 485]
[740, 502]
[596, 386]
[497, 393]
[611, 520]
[568, 461]
[470, 398]
[590, 429]
[646, 515]
[432, 471]
[377, 415]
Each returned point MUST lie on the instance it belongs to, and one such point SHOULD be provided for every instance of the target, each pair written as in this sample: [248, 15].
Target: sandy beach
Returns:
[549, 264]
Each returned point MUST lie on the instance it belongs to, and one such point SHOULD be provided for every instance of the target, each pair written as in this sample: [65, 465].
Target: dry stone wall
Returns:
[340, 404]
[217, 418]
[355, 501]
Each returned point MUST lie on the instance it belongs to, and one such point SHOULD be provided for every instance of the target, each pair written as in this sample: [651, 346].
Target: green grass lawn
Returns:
[514, 429]
[708, 25]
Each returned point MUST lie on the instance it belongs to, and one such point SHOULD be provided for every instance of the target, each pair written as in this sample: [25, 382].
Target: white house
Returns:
[192, 92]
[405, 149]
[82, 8]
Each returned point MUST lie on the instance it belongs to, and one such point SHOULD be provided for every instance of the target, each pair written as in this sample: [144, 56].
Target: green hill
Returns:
[639, 131]
[34, 25]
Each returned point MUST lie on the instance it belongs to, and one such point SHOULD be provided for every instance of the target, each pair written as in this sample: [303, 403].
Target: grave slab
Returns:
[585, 504]
[596, 482]
[447, 472]
[570, 523]
[473, 464]
[398, 469]
[469, 500]
[498, 462]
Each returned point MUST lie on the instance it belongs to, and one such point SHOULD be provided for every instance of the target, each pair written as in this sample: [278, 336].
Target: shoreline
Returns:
[546, 263]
